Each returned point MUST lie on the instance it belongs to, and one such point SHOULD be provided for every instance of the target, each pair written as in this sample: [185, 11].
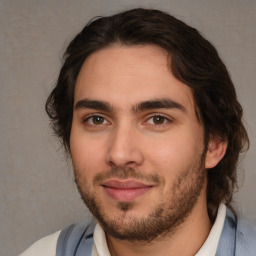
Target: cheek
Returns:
[87, 154]
[176, 151]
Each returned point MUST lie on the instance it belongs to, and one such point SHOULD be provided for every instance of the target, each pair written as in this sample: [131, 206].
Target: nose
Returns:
[124, 149]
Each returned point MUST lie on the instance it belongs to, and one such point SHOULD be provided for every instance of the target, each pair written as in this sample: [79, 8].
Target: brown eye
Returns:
[158, 122]
[159, 119]
[97, 120]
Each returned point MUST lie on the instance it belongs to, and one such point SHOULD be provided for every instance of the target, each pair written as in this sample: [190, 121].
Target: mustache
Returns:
[125, 173]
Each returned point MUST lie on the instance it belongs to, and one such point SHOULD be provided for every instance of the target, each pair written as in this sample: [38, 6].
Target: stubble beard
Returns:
[165, 217]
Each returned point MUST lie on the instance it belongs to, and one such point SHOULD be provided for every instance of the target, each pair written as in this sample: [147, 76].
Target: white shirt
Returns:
[47, 245]
[209, 248]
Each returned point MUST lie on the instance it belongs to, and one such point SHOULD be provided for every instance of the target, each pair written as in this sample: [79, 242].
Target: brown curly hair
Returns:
[193, 60]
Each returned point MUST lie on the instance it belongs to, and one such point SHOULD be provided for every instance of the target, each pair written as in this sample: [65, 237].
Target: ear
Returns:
[216, 150]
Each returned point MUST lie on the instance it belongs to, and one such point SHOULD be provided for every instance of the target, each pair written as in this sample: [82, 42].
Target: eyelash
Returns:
[86, 120]
[165, 120]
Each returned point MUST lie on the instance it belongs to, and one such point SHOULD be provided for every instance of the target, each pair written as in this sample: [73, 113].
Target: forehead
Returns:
[126, 75]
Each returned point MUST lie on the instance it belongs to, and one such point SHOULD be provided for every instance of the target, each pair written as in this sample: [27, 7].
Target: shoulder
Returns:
[46, 246]
[75, 237]
[238, 236]
[246, 235]
[60, 241]
[247, 227]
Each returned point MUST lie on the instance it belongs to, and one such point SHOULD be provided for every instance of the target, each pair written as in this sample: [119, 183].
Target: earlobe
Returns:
[216, 150]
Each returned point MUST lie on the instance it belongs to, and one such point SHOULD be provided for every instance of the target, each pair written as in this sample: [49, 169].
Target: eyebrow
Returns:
[164, 103]
[93, 104]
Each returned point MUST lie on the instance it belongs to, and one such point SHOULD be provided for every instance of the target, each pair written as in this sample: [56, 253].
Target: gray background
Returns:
[37, 192]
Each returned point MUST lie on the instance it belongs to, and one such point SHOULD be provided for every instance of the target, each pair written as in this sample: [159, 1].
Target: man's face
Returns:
[136, 144]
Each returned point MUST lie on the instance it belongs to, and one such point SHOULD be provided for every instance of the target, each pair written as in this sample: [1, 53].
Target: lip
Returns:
[125, 191]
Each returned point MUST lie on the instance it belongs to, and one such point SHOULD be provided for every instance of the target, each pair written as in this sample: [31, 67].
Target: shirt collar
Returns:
[209, 248]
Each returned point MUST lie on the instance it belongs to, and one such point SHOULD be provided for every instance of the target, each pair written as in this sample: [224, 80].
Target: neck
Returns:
[192, 233]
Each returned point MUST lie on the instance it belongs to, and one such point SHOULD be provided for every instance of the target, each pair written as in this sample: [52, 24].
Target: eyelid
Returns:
[160, 115]
[168, 119]
[147, 118]
[87, 117]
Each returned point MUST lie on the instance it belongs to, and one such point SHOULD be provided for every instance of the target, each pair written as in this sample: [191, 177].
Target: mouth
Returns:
[125, 190]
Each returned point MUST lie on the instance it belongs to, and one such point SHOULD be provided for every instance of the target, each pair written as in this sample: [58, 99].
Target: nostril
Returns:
[126, 160]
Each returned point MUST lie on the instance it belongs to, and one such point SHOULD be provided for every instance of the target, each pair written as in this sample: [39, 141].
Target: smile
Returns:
[125, 191]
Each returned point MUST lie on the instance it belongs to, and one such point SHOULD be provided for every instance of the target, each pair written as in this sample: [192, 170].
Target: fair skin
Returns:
[131, 112]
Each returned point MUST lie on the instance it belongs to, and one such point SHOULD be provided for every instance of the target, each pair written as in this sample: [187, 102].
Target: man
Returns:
[150, 117]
